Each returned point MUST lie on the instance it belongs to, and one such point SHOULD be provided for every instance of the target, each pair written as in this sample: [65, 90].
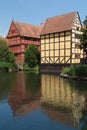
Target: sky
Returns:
[36, 11]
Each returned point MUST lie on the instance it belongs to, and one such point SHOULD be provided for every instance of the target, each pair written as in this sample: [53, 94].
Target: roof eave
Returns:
[55, 32]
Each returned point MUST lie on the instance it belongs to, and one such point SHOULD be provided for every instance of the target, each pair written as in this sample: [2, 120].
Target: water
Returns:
[42, 102]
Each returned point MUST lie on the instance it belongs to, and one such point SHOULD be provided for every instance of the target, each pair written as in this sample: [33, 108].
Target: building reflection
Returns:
[61, 101]
[58, 98]
[21, 98]
[6, 84]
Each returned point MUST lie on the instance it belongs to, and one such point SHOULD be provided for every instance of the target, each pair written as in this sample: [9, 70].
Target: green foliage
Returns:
[83, 38]
[4, 66]
[35, 69]
[7, 58]
[69, 70]
[25, 67]
[81, 70]
[77, 70]
[32, 56]
[2, 42]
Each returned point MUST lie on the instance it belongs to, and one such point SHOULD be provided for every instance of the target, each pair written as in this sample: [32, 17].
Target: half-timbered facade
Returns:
[21, 35]
[60, 40]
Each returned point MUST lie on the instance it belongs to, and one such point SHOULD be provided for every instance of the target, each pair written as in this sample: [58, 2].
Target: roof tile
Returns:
[58, 23]
[28, 30]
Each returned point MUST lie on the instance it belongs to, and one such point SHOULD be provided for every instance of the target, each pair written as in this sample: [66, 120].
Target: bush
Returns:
[35, 69]
[6, 66]
[25, 67]
[83, 37]
[7, 58]
[69, 71]
[76, 70]
[32, 56]
[81, 70]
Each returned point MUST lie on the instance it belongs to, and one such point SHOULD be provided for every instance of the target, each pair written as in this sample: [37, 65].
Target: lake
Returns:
[42, 102]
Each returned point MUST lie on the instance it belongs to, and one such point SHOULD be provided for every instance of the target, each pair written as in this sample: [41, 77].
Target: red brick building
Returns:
[20, 35]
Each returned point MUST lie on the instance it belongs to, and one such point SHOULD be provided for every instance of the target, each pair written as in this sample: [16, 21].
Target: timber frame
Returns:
[20, 36]
[61, 47]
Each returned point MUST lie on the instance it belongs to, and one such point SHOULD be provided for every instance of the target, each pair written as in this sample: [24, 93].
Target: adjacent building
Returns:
[60, 40]
[20, 35]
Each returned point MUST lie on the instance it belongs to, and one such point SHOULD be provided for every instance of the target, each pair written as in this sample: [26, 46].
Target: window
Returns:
[77, 45]
[77, 28]
[77, 56]
[77, 36]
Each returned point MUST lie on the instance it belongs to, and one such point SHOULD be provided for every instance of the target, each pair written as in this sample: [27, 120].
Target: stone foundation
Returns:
[53, 68]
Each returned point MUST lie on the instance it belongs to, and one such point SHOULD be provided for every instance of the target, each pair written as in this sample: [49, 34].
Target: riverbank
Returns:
[73, 77]
[75, 72]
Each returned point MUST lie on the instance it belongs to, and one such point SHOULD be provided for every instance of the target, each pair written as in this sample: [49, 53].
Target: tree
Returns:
[32, 56]
[83, 38]
[7, 58]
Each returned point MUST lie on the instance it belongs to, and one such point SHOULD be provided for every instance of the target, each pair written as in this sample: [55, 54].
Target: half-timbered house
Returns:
[20, 36]
[60, 40]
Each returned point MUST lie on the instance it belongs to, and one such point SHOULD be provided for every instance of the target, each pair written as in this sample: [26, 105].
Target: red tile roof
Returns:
[59, 23]
[28, 30]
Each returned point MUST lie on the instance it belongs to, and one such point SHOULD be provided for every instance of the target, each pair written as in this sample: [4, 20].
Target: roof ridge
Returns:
[62, 15]
[26, 23]
[59, 23]
[28, 30]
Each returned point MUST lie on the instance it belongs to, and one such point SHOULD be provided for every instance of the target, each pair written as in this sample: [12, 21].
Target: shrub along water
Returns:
[76, 70]
[35, 69]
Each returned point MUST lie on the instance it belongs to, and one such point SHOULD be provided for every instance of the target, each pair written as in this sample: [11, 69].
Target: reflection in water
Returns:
[44, 97]
[21, 97]
[6, 82]
[62, 102]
